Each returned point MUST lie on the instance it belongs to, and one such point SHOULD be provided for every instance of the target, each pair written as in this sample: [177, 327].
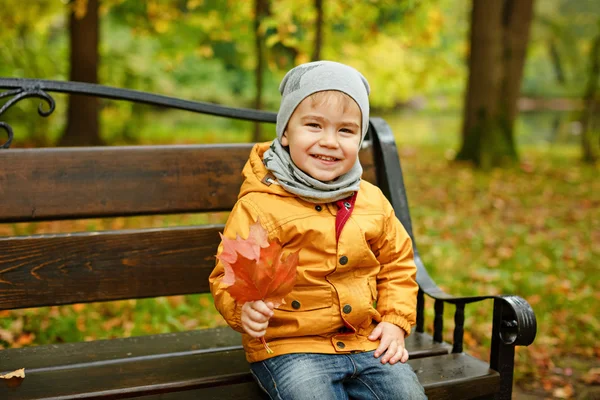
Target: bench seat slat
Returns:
[45, 270]
[472, 382]
[67, 183]
[69, 355]
[177, 362]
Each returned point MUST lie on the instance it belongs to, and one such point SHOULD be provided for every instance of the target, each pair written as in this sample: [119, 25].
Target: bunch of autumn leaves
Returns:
[255, 269]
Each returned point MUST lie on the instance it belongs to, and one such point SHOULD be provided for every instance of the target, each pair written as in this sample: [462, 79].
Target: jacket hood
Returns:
[255, 172]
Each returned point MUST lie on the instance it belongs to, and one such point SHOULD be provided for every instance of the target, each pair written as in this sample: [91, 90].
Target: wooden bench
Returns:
[71, 183]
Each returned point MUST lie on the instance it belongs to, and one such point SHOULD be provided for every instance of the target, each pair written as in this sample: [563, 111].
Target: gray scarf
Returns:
[278, 161]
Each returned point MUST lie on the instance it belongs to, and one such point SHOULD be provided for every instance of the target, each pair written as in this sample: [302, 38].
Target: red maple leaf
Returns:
[256, 269]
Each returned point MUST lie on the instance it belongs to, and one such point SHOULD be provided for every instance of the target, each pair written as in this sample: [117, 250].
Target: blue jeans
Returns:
[307, 376]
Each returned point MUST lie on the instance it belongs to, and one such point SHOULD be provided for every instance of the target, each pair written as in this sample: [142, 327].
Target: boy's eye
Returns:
[312, 124]
[346, 130]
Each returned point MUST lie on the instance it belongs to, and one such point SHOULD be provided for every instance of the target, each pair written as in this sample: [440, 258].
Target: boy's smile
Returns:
[323, 135]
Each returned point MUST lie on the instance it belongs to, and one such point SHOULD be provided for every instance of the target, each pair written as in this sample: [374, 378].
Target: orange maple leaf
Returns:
[255, 269]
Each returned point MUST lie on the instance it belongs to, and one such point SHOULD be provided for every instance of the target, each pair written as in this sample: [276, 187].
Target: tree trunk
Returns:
[557, 62]
[261, 10]
[82, 116]
[517, 17]
[483, 86]
[499, 36]
[590, 133]
[318, 31]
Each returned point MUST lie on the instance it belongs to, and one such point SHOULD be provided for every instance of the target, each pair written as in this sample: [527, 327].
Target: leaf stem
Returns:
[269, 351]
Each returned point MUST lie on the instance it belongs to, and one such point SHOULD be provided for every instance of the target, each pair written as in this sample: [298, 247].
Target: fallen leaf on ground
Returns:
[592, 377]
[20, 373]
[563, 392]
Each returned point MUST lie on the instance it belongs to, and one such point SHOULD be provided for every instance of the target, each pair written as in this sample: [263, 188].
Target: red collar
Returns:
[345, 207]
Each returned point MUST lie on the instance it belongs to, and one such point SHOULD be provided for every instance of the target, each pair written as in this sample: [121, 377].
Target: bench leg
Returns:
[502, 356]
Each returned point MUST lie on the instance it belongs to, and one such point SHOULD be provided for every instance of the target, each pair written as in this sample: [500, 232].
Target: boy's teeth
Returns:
[326, 158]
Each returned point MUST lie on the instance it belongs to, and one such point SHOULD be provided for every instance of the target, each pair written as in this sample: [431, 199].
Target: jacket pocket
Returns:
[307, 298]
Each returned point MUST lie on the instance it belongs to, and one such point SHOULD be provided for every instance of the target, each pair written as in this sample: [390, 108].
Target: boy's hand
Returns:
[255, 317]
[392, 340]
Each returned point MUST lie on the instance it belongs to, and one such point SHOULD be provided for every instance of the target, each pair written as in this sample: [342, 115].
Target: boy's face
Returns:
[323, 135]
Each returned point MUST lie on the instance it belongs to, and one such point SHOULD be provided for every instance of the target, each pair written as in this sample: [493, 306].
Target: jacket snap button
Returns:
[341, 345]
[343, 260]
[347, 309]
[347, 204]
[318, 208]
[295, 304]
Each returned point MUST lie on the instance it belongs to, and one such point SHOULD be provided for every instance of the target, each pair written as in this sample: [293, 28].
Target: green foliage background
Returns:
[413, 52]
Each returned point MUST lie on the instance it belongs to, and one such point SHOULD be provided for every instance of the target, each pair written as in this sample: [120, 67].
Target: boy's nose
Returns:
[329, 138]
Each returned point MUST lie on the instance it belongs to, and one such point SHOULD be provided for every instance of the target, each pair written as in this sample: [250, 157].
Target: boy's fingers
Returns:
[400, 352]
[255, 328]
[256, 334]
[263, 308]
[375, 333]
[257, 316]
[391, 352]
[384, 344]
[257, 325]
[404, 356]
[249, 313]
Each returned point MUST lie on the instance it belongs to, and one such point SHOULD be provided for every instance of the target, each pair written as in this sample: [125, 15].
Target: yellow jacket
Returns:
[343, 289]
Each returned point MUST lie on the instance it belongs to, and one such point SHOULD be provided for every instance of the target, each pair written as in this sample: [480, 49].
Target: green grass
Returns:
[533, 231]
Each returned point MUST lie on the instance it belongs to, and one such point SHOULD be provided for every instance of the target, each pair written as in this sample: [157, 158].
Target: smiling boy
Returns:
[341, 330]
[323, 135]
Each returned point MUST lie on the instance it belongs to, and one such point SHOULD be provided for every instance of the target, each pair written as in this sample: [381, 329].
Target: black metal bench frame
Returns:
[42, 270]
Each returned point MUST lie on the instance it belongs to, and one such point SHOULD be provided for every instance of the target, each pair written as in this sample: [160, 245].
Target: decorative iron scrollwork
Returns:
[19, 94]
[21, 88]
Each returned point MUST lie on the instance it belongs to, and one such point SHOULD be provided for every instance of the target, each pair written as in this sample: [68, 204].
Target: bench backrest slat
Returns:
[62, 183]
[45, 270]
[67, 183]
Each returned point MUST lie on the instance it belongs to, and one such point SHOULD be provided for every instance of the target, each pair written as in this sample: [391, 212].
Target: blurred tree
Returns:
[83, 111]
[397, 45]
[207, 49]
[560, 40]
[556, 62]
[318, 45]
[261, 11]
[590, 135]
[499, 36]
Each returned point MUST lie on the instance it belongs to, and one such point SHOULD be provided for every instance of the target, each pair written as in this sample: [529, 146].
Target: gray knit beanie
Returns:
[317, 76]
